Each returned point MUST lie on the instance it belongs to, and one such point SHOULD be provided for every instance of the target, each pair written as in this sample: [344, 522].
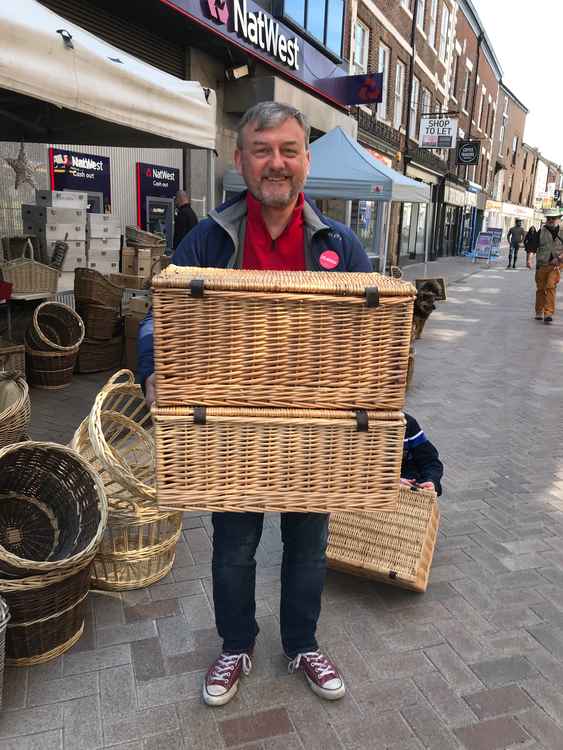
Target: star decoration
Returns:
[23, 168]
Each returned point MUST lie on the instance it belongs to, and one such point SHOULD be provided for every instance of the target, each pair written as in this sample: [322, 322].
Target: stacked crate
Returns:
[279, 391]
[59, 215]
[103, 243]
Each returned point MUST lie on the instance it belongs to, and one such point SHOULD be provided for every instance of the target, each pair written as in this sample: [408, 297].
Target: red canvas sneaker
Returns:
[221, 680]
[322, 675]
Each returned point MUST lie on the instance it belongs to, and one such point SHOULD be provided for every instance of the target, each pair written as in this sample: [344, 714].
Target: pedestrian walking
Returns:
[185, 219]
[515, 239]
[549, 256]
[421, 463]
[271, 226]
[530, 245]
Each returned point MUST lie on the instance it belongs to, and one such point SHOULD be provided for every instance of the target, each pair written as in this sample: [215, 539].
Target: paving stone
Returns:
[175, 636]
[31, 721]
[540, 726]
[388, 729]
[90, 661]
[64, 689]
[497, 672]
[15, 687]
[141, 724]
[148, 662]
[117, 693]
[82, 723]
[453, 668]
[197, 611]
[388, 666]
[165, 741]
[494, 734]
[52, 740]
[108, 609]
[547, 696]
[176, 590]
[504, 700]
[453, 710]
[411, 639]
[379, 696]
[199, 726]
[152, 610]
[426, 725]
[271, 723]
[133, 631]
[173, 689]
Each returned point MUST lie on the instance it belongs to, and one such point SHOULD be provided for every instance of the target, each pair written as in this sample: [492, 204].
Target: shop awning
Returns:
[87, 83]
[341, 168]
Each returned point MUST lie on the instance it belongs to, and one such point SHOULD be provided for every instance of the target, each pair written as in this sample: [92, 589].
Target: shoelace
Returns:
[319, 662]
[226, 664]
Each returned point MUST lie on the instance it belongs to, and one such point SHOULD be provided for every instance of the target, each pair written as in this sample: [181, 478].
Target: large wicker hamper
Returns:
[277, 459]
[395, 548]
[311, 340]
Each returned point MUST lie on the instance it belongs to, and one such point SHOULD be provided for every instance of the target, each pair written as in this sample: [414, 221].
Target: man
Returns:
[272, 226]
[549, 255]
[515, 238]
[185, 219]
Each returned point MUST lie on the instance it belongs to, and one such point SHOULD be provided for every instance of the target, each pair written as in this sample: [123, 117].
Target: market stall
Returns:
[342, 168]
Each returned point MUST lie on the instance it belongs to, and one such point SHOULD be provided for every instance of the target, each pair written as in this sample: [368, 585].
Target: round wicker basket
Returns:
[53, 509]
[50, 370]
[55, 327]
[15, 418]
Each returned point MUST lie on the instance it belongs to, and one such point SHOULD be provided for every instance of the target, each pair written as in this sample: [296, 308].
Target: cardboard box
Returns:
[52, 232]
[128, 255]
[104, 243]
[61, 199]
[104, 225]
[143, 263]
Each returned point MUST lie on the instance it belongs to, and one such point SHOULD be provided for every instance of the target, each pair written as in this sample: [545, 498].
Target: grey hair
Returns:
[267, 115]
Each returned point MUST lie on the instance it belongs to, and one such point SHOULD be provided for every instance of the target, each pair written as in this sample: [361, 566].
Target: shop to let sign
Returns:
[438, 131]
[73, 170]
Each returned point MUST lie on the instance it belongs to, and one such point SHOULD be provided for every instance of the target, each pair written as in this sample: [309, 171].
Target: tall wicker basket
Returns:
[4, 620]
[395, 548]
[310, 340]
[15, 418]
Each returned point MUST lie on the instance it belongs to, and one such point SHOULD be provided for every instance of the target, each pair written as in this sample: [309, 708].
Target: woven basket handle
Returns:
[127, 374]
[28, 245]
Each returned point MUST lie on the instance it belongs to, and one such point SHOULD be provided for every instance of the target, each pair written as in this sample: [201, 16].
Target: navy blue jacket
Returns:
[421, 460]
[218, 242]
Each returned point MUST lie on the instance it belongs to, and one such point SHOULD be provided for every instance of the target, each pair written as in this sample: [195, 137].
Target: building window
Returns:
[361, 47]
[399, 92]
[406, 4]
[383, 67]
[426, 102]
[323, 19]
[466, 87]
[501, 139]
[413, 112]
[432, 25]
[481, 111]
[444, 28]
[453, 82]
[420, 14]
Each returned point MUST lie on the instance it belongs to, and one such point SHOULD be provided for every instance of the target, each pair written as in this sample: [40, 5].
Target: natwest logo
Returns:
[263, 32]
[219, 10]
[162, 174]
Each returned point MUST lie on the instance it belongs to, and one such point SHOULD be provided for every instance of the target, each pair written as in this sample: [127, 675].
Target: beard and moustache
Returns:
[272, 195]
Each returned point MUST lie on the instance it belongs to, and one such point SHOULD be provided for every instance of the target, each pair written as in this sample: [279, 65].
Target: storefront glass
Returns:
[413, 231]
[421, 230]
[406, 230]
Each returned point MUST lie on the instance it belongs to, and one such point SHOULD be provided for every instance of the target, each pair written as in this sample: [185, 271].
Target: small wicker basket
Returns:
[28, 276]
[4, 620]
[12, 357]
[100, 322]
[311, 340]
[47, 613]
[15, 418]
[395, 548]
[290, 460]
[56, 327]
[50, 370]
[91, 287]
[99, 356]
[53, 509]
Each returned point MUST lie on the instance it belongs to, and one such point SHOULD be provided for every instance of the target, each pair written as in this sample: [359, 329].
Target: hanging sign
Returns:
[438, 131]
[154, 181]
[73, 170]
[468, 153]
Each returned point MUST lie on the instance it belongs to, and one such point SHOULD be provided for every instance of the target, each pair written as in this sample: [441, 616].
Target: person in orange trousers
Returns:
[549, 257]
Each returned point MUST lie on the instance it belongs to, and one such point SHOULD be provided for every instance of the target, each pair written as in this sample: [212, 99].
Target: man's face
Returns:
[274, 162]
[553, 221]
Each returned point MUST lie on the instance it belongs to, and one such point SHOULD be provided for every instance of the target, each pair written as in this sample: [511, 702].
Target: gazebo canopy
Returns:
[341, 168]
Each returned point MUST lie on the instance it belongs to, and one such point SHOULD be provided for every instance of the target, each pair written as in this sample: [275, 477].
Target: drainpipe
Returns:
[406, 156]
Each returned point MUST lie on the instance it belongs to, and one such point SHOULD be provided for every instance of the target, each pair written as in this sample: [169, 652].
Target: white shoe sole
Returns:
[329, 695]
[219, 700]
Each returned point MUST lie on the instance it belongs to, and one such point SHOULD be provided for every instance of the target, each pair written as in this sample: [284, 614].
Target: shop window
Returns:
[383, 68]
[433, 23]
[444, 29]
[399, 93]
[361, 47]
[322, 19]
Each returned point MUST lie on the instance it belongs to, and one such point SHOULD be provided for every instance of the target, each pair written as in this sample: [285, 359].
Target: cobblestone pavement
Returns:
[476, 662]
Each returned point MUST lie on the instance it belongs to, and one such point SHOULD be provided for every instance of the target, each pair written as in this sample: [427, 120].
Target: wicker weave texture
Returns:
[91, 287]
[50, 370]
[16, 417]
[100, 322]
[53, 509]
[12, 357]
[47, 614]
[135, 552]
[314, 345]
[395, 548]
[99, 356]
[55, 327]
[277, 460]
[30, 277]
[4, 620]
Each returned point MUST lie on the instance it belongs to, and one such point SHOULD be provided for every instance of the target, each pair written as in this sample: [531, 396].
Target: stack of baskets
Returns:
[279, 391]
[139, 545]
[52, 343]
[15, 408]
[99, 303]
[53, 512]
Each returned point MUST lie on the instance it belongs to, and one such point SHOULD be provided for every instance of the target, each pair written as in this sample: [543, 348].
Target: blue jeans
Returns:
[235, 539]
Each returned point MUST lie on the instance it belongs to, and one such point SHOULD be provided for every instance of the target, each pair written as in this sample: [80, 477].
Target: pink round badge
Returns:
[329, 259]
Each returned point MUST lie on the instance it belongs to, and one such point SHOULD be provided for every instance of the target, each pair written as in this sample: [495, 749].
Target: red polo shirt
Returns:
[261, 252]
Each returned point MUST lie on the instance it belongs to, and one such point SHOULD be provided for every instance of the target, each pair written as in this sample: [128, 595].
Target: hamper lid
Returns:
[287, 282]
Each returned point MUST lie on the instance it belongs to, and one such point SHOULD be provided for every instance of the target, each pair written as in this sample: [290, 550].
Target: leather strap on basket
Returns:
[200, 415]
[362, 420]
[197, 287]
[372, 296]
